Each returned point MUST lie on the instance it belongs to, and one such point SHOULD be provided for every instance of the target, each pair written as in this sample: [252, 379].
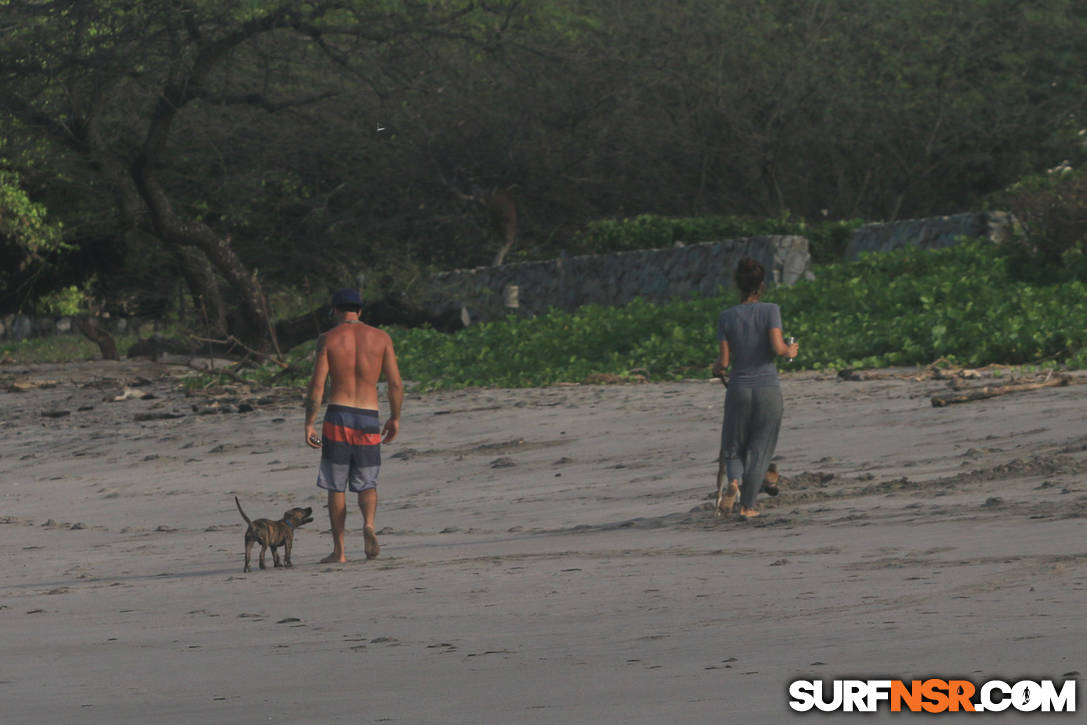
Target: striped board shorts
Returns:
[350, 449]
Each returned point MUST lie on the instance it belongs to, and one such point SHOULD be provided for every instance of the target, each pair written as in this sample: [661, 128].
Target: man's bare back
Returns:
[355, 355]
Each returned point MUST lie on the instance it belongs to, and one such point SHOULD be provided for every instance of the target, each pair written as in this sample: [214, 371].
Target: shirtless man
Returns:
[355, 355]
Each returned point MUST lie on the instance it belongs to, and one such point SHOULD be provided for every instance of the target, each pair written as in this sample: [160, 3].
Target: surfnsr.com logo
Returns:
[932, 695]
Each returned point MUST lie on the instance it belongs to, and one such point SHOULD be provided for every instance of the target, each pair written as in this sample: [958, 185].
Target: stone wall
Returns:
[931, 233]
[658, 275]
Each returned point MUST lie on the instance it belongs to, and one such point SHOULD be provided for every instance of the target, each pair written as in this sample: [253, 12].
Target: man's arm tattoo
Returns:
[311, 409]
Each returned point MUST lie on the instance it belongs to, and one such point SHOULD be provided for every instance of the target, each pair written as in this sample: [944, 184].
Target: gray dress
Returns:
[753, 404]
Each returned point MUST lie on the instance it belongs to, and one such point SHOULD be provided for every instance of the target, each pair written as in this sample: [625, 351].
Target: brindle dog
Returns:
[273, 534]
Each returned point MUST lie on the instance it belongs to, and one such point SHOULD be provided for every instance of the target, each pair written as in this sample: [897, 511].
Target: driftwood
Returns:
[861, 375]
[231, 343]
[937, 370]
[992, 391]
[229, 373]
[156, 346]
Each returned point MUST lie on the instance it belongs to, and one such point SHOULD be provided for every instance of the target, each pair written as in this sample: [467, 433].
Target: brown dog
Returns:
[273, 534]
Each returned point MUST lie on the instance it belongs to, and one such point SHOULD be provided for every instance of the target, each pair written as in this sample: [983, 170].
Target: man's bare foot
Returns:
[334, 558]
[748, 513]
[370, 544]
[729, 499]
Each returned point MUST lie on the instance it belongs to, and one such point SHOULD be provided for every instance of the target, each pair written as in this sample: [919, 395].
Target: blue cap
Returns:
[346, 298]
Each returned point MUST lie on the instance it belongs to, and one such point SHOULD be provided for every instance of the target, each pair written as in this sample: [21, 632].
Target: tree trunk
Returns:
[202, 281]
[252, 325]
[502, 215]
[135, 218]
[93, 331]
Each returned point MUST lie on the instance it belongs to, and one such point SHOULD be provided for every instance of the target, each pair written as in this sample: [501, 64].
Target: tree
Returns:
[110, 84]
[250, 148]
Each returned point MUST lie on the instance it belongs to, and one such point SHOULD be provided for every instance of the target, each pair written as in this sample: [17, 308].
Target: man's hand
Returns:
[311, 437]
[392, 427]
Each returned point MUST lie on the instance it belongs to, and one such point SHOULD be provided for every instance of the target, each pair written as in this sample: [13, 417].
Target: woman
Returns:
[750, 337]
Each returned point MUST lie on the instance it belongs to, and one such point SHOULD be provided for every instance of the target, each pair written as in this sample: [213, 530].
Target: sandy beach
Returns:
[548, 555]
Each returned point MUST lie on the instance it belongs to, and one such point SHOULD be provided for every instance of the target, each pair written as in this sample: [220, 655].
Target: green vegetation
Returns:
[909, 307]
[29, 239]
[1051, 209]
[63, 302]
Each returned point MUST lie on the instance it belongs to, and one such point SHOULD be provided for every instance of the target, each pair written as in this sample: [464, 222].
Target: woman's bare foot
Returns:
[748, 513]
[370, 544]
[770, 481]
[334, 558]
[729, 499]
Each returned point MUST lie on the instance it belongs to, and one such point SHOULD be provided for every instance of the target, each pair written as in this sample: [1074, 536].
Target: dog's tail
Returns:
[242, 512]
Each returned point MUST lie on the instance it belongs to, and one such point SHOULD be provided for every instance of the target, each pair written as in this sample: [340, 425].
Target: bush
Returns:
[913, 306]
[64, 302]
[1051, 209]
[908, 307]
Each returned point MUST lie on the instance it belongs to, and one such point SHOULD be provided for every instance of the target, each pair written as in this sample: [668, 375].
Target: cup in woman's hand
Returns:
[790, 341]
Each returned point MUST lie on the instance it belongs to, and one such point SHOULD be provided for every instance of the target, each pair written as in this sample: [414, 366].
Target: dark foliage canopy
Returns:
[215, 156]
